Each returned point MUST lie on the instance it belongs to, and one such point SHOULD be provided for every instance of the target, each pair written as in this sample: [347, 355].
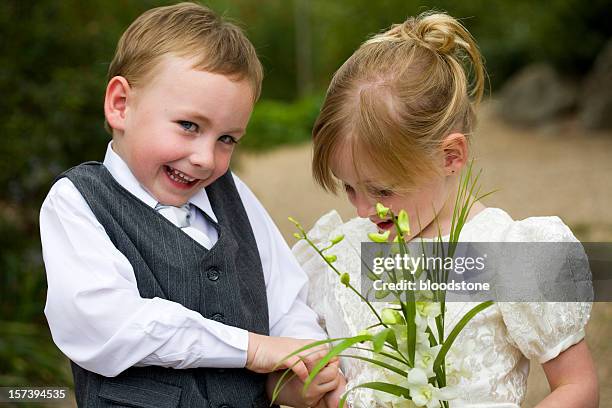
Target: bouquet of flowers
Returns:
[409, 341]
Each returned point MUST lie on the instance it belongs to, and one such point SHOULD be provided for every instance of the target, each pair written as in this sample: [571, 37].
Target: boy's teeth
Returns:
[179, 176]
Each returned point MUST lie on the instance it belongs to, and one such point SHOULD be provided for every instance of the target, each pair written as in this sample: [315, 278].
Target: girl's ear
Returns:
[455, 148]
[115, 102]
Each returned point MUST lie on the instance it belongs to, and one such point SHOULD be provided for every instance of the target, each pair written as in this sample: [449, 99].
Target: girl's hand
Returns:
[316, 394]
[332, 398]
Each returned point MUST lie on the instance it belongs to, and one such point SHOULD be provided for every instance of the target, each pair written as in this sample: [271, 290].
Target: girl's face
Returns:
[364, 190]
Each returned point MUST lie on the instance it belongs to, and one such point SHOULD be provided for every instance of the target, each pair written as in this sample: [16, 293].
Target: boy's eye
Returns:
[188, 126]
[227, 139]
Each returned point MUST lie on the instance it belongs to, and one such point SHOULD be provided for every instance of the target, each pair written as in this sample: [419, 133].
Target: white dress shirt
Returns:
[97, 316]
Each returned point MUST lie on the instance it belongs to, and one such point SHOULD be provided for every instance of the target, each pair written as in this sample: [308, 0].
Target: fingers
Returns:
[332, 398]
[328, 379]
[299, 368]
[314, 356]
[321, 404]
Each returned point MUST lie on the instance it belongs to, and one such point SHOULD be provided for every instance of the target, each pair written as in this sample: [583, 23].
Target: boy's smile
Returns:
[177, 131]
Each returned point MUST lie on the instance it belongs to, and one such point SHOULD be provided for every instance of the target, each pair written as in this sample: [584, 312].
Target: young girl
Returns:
[395, 128]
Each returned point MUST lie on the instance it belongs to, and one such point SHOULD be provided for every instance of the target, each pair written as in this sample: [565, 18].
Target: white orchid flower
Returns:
[425, 356]
[424, 394]
[428, 309]
[426, 313]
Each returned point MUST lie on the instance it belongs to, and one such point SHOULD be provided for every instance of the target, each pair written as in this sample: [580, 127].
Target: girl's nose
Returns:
[364, 205]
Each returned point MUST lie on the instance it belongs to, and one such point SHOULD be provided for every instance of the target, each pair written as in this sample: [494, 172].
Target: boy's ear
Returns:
[455, 148]
[115, 102]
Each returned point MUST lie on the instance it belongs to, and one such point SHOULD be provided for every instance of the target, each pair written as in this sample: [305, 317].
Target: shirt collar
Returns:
[124, 176]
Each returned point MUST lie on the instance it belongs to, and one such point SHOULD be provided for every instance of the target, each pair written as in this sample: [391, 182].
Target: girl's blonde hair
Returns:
[397, 97]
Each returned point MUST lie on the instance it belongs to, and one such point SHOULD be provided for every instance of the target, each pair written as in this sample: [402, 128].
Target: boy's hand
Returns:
[265, 354]
[316, 395]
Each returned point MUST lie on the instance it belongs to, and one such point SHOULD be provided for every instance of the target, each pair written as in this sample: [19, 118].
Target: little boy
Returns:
[166, 276]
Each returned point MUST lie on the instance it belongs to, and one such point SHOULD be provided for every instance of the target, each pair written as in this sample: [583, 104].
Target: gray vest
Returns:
[224, 283]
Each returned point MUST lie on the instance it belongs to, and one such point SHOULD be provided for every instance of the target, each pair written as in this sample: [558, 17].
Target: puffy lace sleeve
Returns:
[543, 330]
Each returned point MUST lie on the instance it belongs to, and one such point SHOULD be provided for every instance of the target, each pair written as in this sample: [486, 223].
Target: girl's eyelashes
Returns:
[380, 192]
[229, 140]
[348, 189]
[372, 191]
[188, 126]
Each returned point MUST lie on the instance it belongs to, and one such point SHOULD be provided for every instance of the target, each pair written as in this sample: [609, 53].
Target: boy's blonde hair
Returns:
[186, 30]
[395, 99]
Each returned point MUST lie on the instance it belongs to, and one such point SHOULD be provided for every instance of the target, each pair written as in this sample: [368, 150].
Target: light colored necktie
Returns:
[181, 217]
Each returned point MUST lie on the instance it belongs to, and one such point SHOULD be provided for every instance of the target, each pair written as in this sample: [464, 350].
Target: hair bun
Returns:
[436, 31]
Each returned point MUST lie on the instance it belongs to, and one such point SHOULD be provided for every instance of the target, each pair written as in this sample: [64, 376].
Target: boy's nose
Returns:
[204, 157]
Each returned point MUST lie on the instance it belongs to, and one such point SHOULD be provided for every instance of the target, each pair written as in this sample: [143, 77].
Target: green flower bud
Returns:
[403, 222]
[390, 316]
[345, 278]
[337, 239]
[381, 210]
[379, 237]
[294, 221]
[298, 236]
[331, 258]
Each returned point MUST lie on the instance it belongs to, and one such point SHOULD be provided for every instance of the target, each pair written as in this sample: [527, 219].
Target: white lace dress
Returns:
[503, 336]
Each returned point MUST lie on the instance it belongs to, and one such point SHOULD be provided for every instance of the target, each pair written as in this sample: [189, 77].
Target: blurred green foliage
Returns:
[275, 123]
[53, 61]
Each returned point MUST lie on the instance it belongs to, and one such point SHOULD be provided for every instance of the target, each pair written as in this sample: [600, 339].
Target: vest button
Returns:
[218, 317]
[213, 274]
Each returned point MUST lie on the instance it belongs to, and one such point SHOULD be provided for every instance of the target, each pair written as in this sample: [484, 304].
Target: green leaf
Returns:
[337, 349]
[379, 386]
[382, 364]
[456, 330]
[379, 339]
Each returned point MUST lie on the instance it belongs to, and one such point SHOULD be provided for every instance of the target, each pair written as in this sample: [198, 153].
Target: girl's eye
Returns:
[380, 192]
[188, 126]
[384, 193]
[349, 190]
[229, 140]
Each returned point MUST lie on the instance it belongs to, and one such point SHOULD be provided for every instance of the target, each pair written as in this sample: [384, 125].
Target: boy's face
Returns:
[179, 130]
